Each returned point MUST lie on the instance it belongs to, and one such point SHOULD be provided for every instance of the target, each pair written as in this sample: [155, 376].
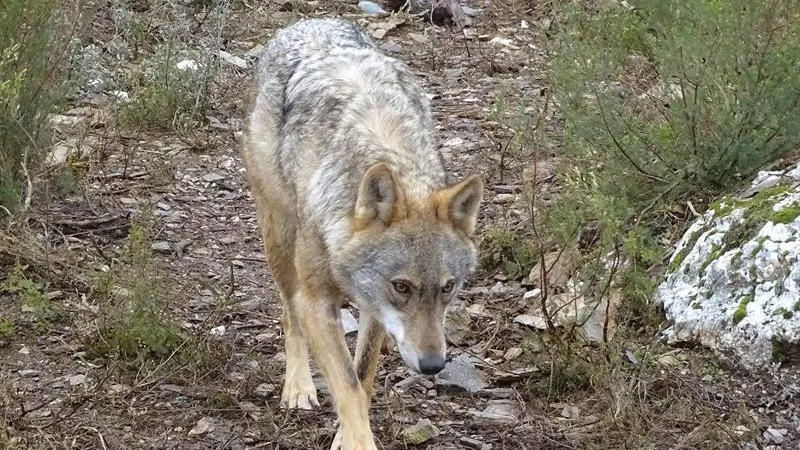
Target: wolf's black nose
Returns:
[431, 364]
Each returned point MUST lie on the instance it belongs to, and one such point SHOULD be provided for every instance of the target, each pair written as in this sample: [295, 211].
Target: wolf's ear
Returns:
[379, 196]
[459, 204]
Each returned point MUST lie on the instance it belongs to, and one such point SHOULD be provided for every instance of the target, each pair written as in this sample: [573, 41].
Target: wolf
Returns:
[354, 206]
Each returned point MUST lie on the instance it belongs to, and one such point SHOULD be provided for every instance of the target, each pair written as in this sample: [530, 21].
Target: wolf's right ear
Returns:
[379, 197]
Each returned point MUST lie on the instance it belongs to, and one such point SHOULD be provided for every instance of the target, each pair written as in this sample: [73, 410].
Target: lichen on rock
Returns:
[734, 279]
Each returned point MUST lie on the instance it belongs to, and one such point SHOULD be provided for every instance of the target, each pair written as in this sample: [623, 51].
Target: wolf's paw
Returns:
[299, 394]
[354, 441]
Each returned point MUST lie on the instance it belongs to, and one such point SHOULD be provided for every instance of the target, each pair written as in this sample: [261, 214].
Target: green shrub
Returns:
[133, 304]
[164, 97]
[663, 103]
[30, 88]
[667, 100]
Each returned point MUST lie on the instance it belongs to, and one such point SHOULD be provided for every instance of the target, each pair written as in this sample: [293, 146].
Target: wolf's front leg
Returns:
[323, 330]
[298, 388]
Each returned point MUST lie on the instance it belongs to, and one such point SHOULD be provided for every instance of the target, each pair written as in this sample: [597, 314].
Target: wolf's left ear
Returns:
[459, 204]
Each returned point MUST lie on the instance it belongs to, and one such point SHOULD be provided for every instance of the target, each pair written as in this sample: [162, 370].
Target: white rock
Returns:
[232, 60]
[187, 64]
[76, 380]
[734, 280]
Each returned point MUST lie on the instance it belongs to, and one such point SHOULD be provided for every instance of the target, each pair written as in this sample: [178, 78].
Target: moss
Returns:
[758, 247]
[783, 312]
[684, 252]
[786, 215]
[753, 272]
[722, 207]
[739, 315]
[697, 305]
[678, 259]
[797, 306]
[757, 212]
[712, 255]
[741, 310]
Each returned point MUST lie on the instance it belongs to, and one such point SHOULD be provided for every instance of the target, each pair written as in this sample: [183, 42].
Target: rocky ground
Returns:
[505, 388]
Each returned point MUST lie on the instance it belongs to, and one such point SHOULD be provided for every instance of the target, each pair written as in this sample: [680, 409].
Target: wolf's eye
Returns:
[448, 286]
[401, 287]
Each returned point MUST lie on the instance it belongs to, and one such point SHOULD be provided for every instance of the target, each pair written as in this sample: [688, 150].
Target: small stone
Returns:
[371, 8]
[707, 378]
[187, 64]
[422, 431]
[532, 294]
[161, 247]
[255, 52]
[24, 350]
[265, 389]
[460, 373]
[631, 358]
[204, 425]
[512, 353]
[474, 444]
[504, 198]
[77, 380]
[232, 60]
[478, 310]
[213, 177]
[532, 321]
[775, 435]
[497, 393]
[171, 388]
[217, 331]
[497, 412]
[507, 188]
[571, 412]
[349, 322]
[27, 373]
[264, 337]
[498, 289]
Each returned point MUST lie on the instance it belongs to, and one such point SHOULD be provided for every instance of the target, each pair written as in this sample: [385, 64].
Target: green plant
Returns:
[164, 96]
[502, 248]
[31, 86]
[133, 305]
[664, 102]
[677, 106]
[31, 298]
[7, 330]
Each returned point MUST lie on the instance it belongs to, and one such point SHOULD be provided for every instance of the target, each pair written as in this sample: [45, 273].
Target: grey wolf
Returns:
[354, 205]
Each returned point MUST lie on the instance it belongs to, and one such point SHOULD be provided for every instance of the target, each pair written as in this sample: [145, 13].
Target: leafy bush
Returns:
[665, 102]
[669, 99]
[165, 97]
[133, 305]
[30, 88]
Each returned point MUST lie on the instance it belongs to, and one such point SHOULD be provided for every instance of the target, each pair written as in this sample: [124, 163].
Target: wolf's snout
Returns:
[431, 364]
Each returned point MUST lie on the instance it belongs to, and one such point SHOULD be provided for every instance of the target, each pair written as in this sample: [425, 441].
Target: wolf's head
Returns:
[408, 258]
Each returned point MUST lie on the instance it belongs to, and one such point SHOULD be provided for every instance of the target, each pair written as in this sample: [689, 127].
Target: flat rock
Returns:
[423, 431]
[497, 412]
[461, 374]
